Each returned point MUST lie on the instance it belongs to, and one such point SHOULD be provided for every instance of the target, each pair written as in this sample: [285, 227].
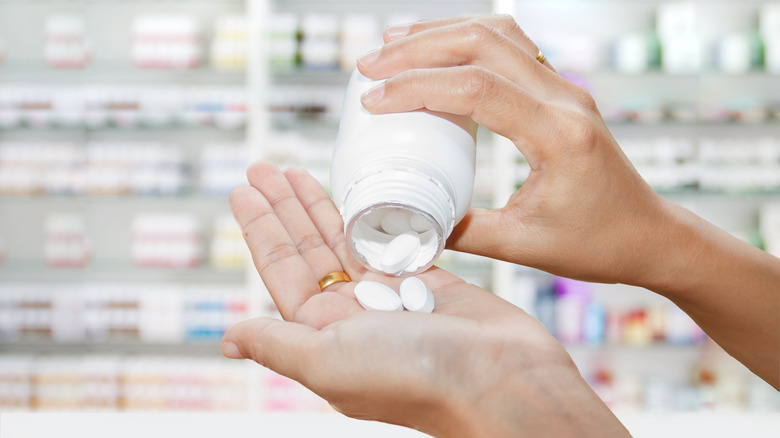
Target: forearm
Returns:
[731, 289]
[553, 402]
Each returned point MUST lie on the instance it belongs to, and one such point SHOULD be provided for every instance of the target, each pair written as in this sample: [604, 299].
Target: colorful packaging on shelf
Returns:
[223, 168]
[319, 44]
[282, 34]
[678, 30]
[167, 42]
[359, 34]
[230, 44]
[66, 243]
[66, 42]
[228, 250]
[168, 240]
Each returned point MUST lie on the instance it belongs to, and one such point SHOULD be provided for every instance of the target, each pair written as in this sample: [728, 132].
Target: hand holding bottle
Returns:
[584, 212]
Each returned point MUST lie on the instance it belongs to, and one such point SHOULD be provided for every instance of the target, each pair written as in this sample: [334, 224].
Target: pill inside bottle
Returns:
[396, 240]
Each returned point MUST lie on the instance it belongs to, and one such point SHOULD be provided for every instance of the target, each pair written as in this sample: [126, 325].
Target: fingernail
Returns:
[373, 95]
[230, 351]
[370, 57]
[395, 32]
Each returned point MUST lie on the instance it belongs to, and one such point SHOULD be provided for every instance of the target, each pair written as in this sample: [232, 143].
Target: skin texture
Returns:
[479, 366]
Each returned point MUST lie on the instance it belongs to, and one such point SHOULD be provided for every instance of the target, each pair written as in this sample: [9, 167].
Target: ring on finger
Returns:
[333, 277]
[540, 57]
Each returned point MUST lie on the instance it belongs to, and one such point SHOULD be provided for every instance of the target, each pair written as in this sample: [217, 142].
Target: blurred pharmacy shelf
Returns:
[95, 273]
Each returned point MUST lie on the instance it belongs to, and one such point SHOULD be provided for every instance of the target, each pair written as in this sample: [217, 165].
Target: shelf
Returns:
[185, 198]
[114, 271]
[173, 128]
[115, 72]
[206, 348]
[301, 76]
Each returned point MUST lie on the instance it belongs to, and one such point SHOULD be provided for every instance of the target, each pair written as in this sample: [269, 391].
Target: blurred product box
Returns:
[66, 44]
[65, 240]
[167, 42]
[223, 168]
[228, 250]
[167, 240]
[230, 44]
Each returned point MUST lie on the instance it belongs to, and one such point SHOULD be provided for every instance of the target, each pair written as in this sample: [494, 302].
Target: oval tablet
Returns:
[420, 223]
[400, 252]
[416, 296]
[376, 296]
[396, 221]
[373, 219]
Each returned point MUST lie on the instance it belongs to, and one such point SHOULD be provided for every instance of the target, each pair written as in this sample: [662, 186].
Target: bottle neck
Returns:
[397, 188]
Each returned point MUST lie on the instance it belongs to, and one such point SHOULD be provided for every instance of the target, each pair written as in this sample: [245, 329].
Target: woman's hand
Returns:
[583, 212]
[477, 366]
[582, 201]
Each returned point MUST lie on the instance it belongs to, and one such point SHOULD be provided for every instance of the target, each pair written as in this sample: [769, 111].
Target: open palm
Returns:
[390, 366]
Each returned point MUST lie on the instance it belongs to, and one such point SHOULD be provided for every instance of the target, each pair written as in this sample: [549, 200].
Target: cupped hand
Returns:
[476, 366]
[583, 201]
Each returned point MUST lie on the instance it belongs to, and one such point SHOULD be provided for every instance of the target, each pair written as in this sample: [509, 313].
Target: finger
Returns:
[475, 234]
[491, 100]
[474, 42]
[402, 30]
[503, 24]
[288, 348]
[288, 277]
[325, 216]
[266, 177]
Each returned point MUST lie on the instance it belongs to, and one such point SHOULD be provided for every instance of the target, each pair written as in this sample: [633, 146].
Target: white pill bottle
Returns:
[400, 173]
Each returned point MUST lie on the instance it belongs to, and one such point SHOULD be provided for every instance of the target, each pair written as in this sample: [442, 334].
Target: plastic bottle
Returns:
[411, 172]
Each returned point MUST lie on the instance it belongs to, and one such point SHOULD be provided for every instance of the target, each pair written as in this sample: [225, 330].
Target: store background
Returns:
[124, 125]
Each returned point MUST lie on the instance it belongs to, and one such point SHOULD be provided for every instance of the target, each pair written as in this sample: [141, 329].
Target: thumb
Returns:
[482, 232]
[285, 347]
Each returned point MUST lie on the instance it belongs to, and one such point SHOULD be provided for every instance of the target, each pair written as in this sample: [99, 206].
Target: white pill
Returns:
[420, 223]
[376, 296]
[400, 252]
[416, 296]
[396, 222]
[373, 219]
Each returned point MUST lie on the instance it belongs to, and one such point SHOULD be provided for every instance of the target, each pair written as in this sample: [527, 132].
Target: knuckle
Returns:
[310, 242]
[584, 100]
[582, 133]
[505, 22]
[335, 238]
[478, 84]
[284, 197]
[256, 219]
[276, 254]
[480, 32]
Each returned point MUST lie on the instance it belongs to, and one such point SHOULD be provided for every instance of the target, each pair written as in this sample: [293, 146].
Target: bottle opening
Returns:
[395, 239]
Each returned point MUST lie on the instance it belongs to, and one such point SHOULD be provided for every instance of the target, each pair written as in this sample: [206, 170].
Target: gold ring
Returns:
[333, 277]
[540, 57]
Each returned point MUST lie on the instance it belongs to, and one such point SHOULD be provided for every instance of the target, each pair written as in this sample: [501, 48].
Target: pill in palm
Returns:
[400, 252]
[416, 296]
[376, 296]
[396, 222]
[419, 223]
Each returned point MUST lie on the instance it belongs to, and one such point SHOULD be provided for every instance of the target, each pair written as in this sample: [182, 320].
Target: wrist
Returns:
[665, 245]
[543, 401]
